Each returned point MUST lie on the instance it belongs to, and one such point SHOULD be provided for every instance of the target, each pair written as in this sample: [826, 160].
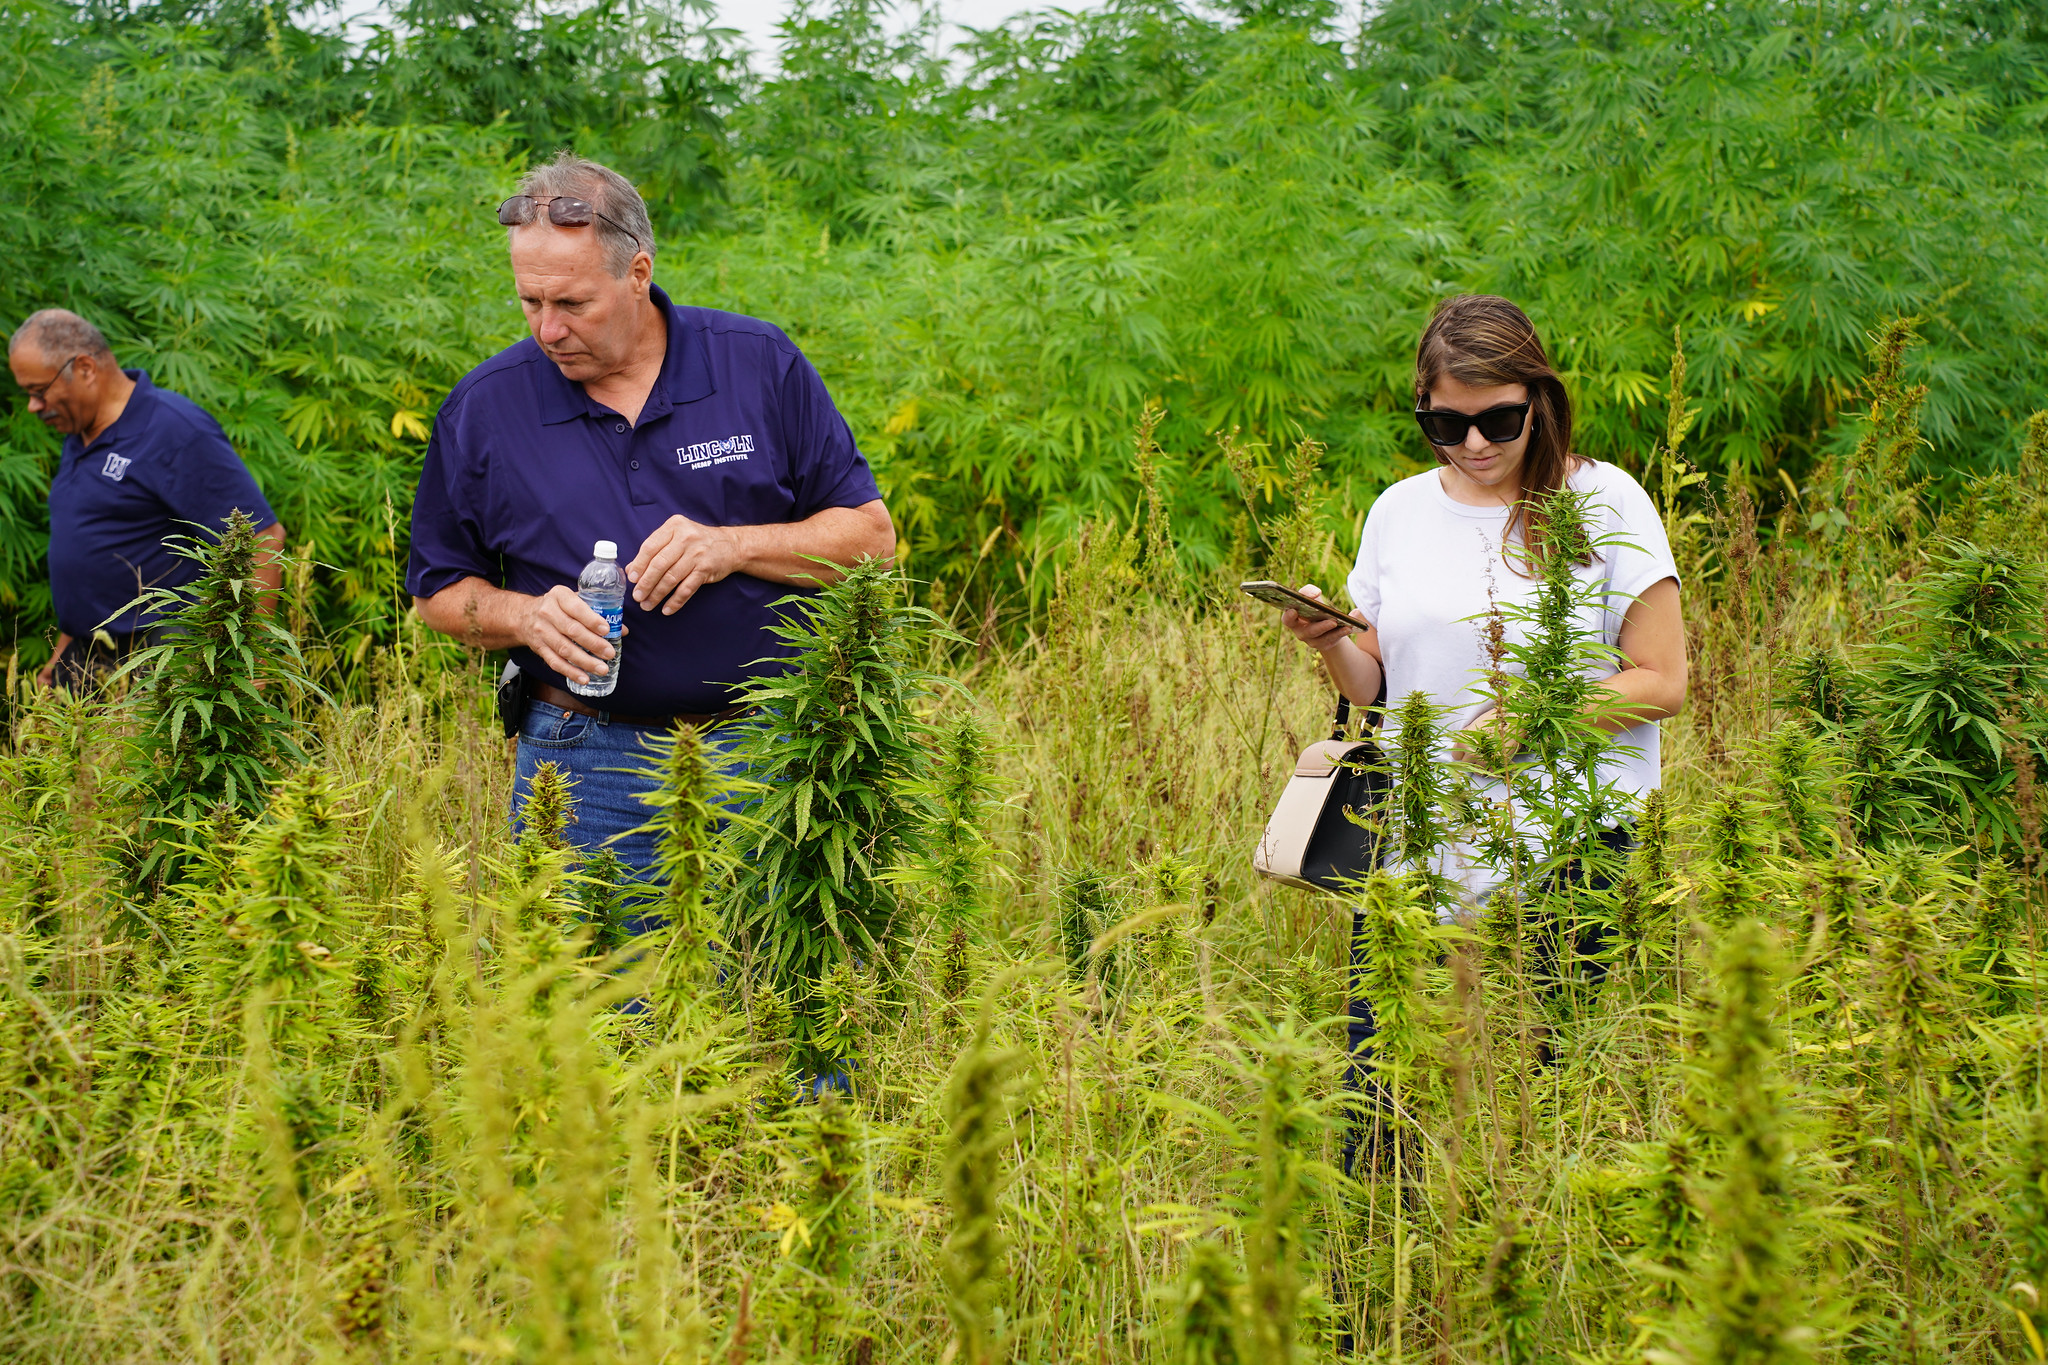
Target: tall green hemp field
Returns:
[335, 1067]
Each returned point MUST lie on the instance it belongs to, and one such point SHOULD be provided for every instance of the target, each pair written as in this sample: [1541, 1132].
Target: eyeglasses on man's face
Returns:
[38, 392]
[562, 210]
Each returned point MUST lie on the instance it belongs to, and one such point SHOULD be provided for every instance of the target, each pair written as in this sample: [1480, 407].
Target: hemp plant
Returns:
[1869, 507]
[692, 802]
[1964, 679]
[297, 928]
[1205, 1307]
[211, 704]
[822, 1151]
[959, 856]
[1553, 779]
[1397, 941]
[1421, 812]
[844, 759]
[1089, 905]
[1748, 1293]
[980, 1097]
[1547, 837]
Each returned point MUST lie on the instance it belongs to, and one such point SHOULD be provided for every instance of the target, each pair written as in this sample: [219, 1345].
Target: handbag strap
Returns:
[1374, 714]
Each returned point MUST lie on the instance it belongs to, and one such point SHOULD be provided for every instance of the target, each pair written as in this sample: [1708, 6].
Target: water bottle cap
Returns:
[606, 549]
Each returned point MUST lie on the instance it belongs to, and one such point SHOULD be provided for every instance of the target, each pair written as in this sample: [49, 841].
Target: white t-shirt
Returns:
[1425, 564]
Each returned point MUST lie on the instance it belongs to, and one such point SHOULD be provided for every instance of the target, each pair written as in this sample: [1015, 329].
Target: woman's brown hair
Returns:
[1483, 340]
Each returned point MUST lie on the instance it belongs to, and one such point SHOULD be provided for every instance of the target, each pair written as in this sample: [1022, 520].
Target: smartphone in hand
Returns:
[1275, 594]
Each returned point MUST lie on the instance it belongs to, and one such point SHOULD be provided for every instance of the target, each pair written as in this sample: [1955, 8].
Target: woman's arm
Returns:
[1651, 683]
[1351, 653]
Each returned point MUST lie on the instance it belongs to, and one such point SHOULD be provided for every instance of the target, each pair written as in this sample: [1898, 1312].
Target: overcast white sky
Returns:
[757, 18]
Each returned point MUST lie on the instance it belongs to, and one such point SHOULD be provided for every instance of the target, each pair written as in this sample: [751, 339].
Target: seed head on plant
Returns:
[292, 916]
[1807, 807]
[1668, 1224]
[548, 810]
[693, 800]
[1419, 824]
[1993, 963]
[1643, 913]
[1821, 685]
[1729, 875]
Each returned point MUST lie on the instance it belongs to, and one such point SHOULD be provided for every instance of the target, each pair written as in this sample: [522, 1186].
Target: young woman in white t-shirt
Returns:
[1441, 548]
[1437, 544]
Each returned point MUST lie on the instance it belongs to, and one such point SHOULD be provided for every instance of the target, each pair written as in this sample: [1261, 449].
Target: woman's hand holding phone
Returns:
[1321, 636]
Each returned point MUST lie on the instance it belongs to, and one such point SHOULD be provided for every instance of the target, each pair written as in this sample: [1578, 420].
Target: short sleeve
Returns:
[447, 537]
[204, 481]
[826, 467]
[1638, 549]
[1364, 582]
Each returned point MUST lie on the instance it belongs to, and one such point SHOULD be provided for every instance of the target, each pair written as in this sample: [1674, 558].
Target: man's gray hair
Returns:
[622, 226]
[60, 334]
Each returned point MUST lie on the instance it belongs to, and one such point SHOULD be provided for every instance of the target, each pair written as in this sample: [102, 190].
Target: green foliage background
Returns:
[996, 258]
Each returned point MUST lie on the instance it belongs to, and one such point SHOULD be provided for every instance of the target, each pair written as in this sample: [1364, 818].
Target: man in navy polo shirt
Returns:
[701, 442]
[140, 464]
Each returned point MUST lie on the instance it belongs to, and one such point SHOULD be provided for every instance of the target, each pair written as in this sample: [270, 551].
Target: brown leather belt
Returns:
[575, 705]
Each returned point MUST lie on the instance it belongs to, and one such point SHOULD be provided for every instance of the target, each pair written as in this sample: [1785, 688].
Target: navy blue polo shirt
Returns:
[163, 464]
[526, 472]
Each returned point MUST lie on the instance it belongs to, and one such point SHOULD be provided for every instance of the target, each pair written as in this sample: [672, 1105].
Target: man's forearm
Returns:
[790, 553]
[480, 614]
[48, 671]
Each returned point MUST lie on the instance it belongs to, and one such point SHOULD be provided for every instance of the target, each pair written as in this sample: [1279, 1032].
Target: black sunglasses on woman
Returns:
[1442, 427]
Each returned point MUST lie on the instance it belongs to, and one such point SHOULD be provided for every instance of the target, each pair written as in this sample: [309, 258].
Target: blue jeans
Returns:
[599, 757]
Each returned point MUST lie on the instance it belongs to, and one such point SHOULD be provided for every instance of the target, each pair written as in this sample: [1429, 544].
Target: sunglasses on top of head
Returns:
[563, 211]
[1445, 428]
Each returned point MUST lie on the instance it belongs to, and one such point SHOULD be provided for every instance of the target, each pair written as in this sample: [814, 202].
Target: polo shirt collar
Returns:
[131, 416]
[685, 374]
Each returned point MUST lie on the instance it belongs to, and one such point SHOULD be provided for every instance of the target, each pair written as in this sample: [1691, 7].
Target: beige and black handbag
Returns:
[1315, 838]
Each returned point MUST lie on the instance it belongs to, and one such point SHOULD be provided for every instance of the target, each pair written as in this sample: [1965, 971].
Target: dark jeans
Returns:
[1591, 939]
[86, 662]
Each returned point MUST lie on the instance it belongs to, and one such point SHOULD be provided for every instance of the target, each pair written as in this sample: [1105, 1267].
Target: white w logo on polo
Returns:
[116, 466]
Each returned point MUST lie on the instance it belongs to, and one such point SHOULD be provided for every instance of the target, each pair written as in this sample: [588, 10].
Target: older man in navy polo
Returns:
[701, 442]
[140, 464]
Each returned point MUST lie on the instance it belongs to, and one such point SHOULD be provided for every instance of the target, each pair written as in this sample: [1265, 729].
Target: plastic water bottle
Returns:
[602, 586]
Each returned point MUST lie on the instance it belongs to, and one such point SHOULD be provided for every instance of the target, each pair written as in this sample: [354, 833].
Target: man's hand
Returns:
[679, 558]
[46, 676]
[1321, 636]
[569, 637]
